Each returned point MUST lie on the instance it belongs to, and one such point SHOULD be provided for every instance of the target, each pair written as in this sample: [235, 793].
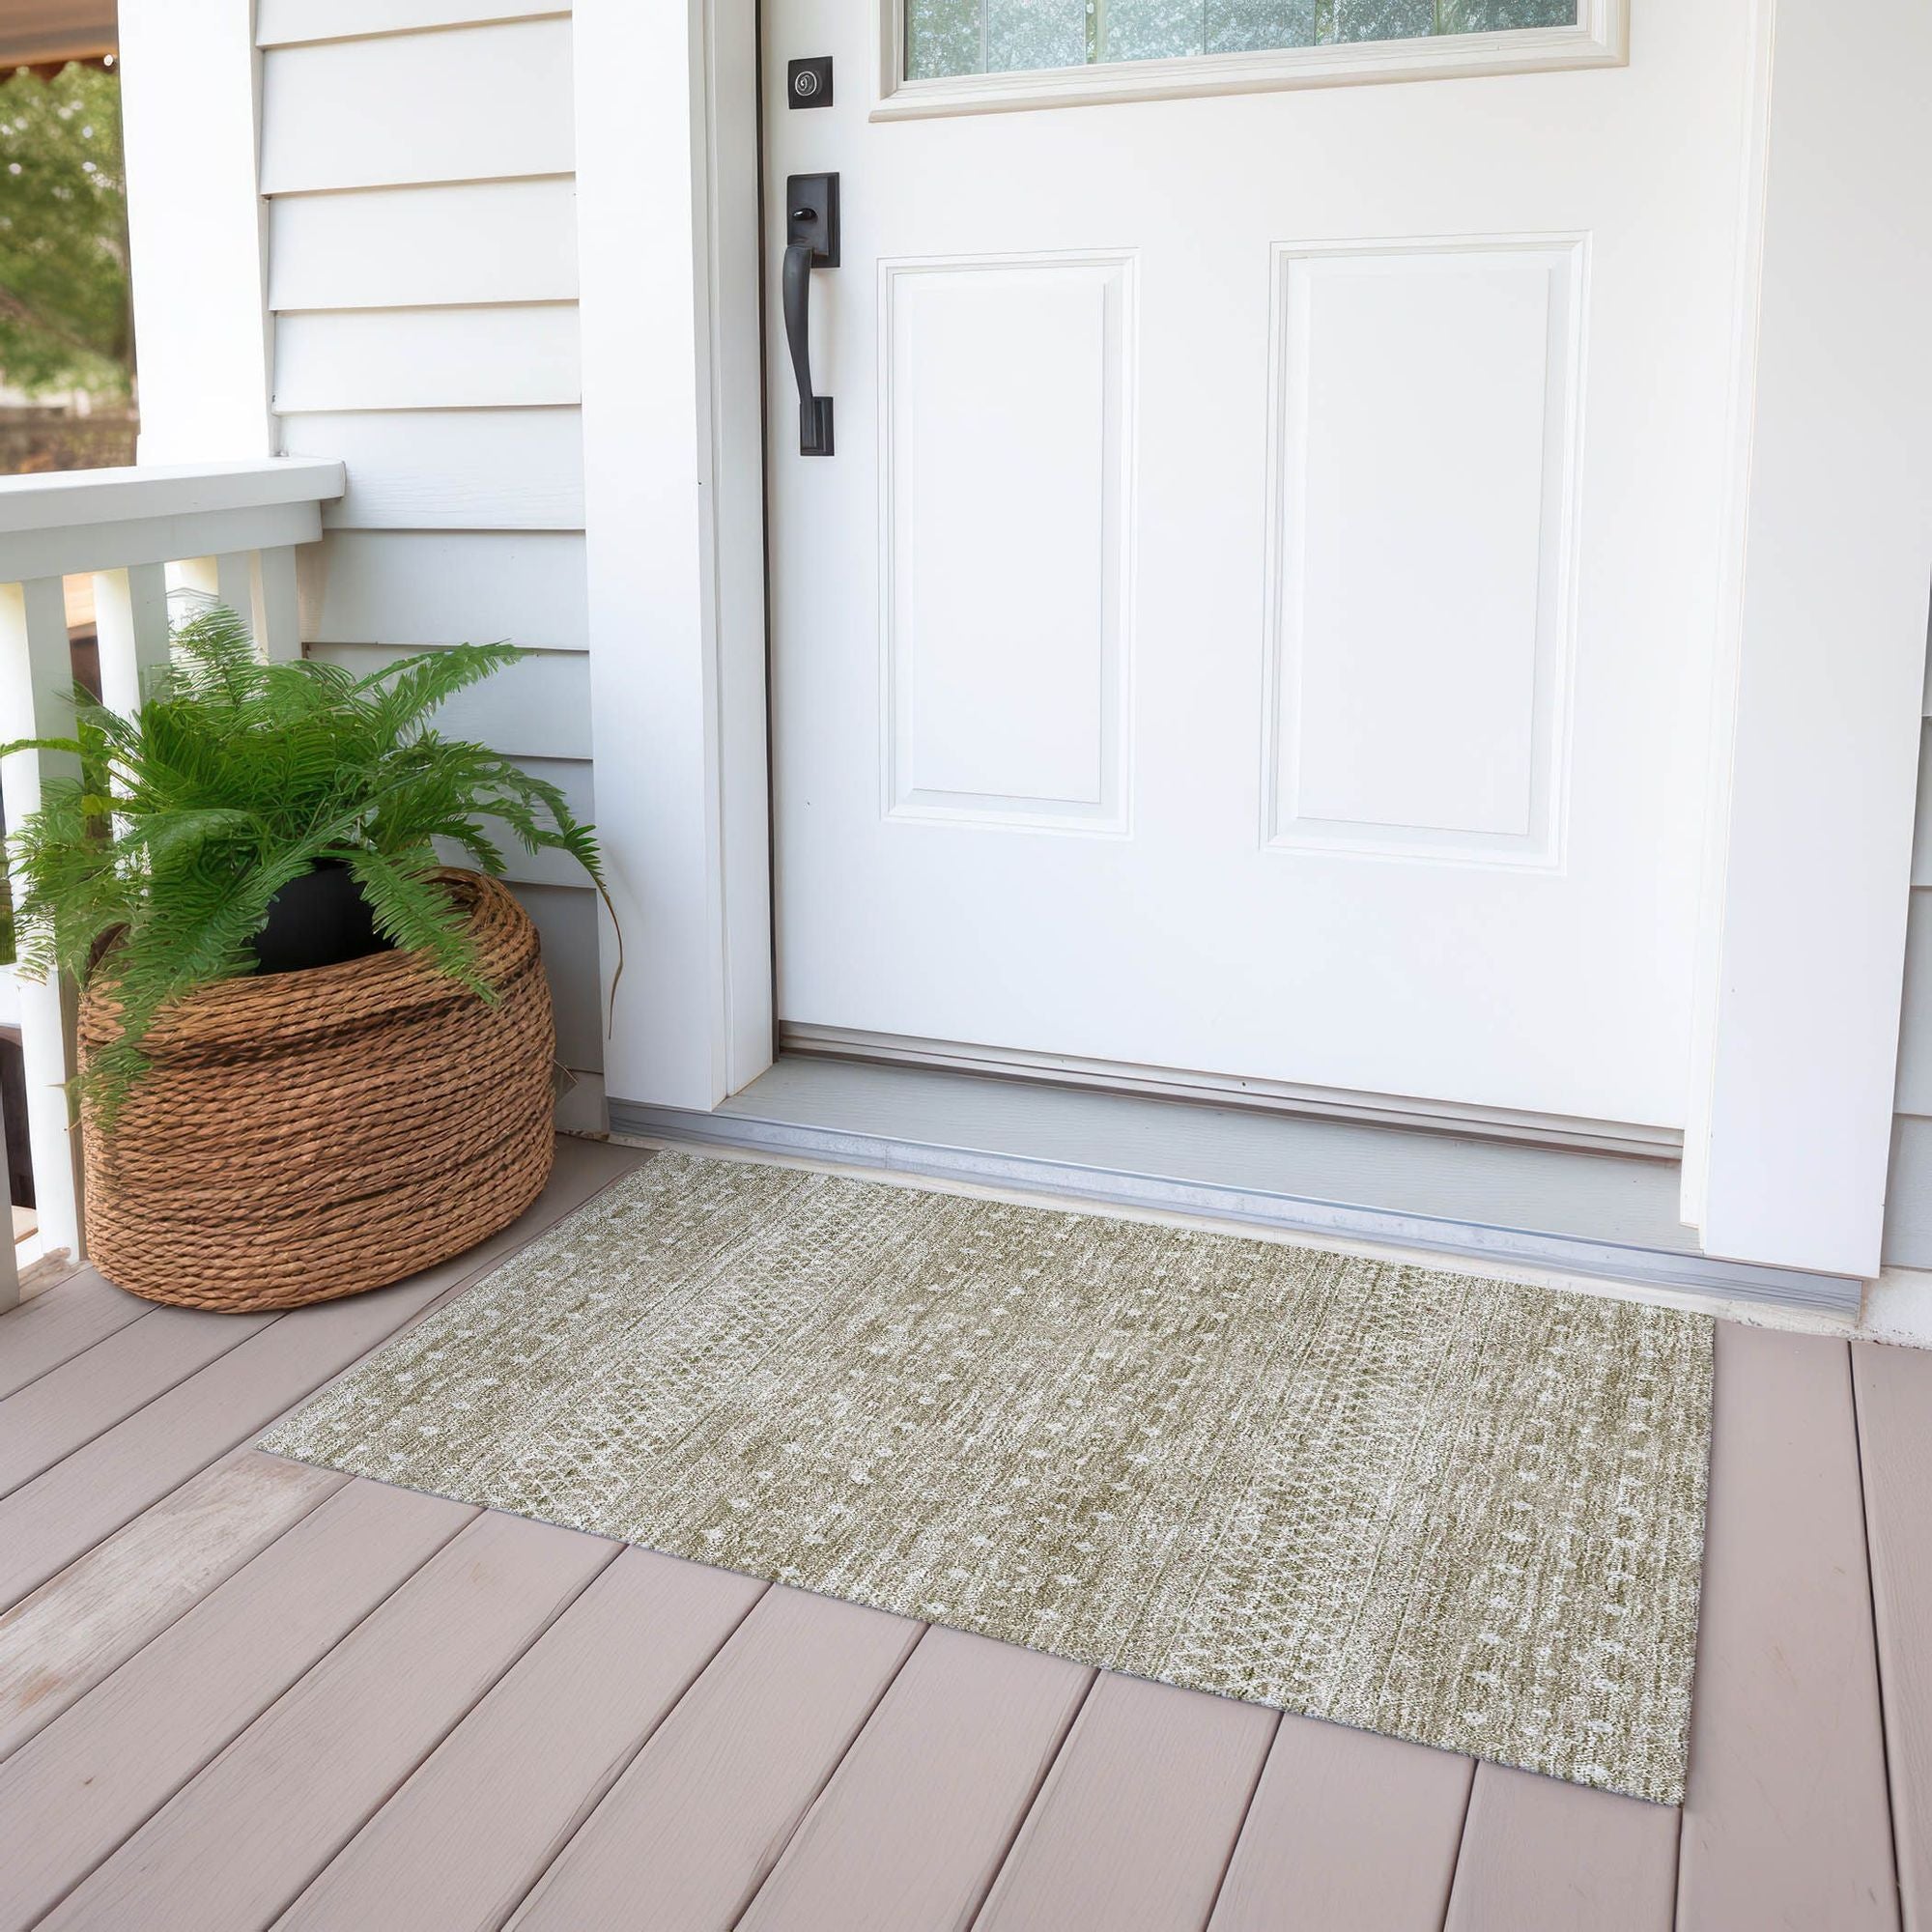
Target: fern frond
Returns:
[234, 778]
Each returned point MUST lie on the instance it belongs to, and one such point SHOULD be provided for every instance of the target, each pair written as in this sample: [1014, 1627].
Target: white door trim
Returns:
[1807, 883]
[667, 240]
[1810, 872]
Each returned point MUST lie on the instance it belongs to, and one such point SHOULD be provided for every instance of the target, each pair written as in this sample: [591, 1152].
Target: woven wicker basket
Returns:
[309, 1135]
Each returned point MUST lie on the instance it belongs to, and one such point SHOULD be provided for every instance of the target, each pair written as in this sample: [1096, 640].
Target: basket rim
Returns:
[378, 985]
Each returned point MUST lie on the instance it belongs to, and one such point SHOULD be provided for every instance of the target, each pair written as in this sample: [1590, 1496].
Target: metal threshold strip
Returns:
[1610, 1217]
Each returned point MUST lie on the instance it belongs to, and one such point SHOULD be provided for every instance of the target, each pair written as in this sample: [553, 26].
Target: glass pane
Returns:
[943, 37]
[948, 37]
[1382, 20]
[1252, 27]
[1150, 29]
[1036, 33]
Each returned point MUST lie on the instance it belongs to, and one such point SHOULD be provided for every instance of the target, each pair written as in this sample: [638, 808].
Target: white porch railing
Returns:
[227, 528]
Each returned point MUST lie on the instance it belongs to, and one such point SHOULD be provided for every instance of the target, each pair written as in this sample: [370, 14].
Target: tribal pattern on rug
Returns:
[1464, 1512]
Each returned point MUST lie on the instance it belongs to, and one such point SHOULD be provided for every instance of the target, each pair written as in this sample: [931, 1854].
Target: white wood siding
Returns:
[396, 247]
[447, 587]
[417, 155]
[283, 23]
[536, 709]
[467, 470]
[566, 917]
[469, 103]
[415, 359]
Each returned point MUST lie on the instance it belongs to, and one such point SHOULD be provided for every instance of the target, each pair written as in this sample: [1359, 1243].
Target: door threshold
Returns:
[1221, 1089]
[1605, 1215]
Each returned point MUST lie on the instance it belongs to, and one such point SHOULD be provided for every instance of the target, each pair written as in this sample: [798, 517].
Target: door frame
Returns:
[1809, 826]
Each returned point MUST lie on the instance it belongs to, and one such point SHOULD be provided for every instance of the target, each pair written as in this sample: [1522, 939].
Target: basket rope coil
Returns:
[302, 1136]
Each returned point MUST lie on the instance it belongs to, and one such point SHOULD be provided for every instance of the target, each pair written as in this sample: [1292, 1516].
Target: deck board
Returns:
[469, 1836]
[691, 1830]
[1348, 1829]
[45, 1524]
[1135, 1825]
[58, 1323]
[1894, 1402]
[1786, 1822]
[60, 1515]
[89, 1781]
[89, 1393]
[72, 1633]
[240, 1841]
[268, 1694]
[1539, 1854]
[914, 1826]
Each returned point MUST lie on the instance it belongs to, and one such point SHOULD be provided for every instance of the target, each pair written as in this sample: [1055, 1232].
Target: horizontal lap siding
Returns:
[535, 709]
[467, 104]
[465, 470]
[286, 22]
[407, 248]
[417, 158]
[420, 359]
[418, 588]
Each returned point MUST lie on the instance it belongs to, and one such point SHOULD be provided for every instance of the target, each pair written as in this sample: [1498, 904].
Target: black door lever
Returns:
[811, 241]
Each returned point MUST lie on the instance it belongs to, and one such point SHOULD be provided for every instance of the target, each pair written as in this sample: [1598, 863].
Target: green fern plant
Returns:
[236, 777]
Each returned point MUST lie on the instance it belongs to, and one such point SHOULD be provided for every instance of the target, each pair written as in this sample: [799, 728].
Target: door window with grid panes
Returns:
[944, 37]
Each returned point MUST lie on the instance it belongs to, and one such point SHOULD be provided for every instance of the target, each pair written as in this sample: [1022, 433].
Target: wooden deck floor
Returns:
[236, 1692]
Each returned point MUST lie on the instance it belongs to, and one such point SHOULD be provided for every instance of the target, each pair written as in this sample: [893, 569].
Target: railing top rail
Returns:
[67, 499]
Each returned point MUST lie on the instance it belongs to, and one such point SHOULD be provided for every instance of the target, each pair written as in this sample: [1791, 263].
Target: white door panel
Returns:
[1259, 616]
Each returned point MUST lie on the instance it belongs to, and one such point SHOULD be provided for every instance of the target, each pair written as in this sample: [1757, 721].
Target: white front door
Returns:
[1258, 616]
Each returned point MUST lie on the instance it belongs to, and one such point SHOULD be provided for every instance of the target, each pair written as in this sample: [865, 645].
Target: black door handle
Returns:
[811, 241]
[814, 412]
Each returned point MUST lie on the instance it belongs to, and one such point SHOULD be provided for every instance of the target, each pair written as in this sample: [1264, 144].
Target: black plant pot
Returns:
[318, 919]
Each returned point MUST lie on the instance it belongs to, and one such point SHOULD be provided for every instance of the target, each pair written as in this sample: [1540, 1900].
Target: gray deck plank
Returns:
[89, 1781]
[466, 1839]
[1787, 1819]
[916, 1822]
[89, 1393]
[58, 1323]
[239, 1842]
[1895, 1401]
[1135, 1824]
[60, 1515]
[692, 1829]
[71, 1633]
[1348, 1829]
[820, 1771]
[1538, 1854]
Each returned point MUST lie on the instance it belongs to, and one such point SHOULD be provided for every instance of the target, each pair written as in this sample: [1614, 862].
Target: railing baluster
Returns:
[36, 686]
[10, 1262]
[235, 583]
[130, 615]
[259, 588]
[277, 616]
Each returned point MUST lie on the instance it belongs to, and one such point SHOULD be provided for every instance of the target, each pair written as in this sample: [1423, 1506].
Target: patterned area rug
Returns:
[1468, 1513]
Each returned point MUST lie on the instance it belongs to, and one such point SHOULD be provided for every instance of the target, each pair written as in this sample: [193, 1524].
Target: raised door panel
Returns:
[1006, 444]
[1424, 473]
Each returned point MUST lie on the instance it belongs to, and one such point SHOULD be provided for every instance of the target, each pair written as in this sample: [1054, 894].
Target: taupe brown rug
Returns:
[1469, 1512]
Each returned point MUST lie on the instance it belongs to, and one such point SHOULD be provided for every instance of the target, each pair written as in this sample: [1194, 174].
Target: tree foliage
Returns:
[236, 776]
[66, 319]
